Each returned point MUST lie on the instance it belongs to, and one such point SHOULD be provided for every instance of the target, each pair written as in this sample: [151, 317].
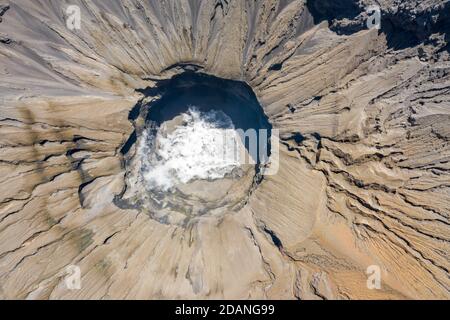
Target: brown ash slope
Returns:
[364, 157]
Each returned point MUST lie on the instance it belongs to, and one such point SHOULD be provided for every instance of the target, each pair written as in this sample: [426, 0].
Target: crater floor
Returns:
[199, 147]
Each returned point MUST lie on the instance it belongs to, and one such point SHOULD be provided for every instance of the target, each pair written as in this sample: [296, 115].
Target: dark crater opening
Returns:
[235, 98]
[163, 105]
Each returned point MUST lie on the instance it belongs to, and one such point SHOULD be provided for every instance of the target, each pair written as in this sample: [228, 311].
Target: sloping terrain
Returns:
[364, 117]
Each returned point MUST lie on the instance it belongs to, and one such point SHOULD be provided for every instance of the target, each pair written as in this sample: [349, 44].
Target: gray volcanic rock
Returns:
[364, 159]
[406, 23]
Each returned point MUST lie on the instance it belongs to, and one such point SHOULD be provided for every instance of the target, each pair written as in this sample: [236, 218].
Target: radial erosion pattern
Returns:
[364, 156]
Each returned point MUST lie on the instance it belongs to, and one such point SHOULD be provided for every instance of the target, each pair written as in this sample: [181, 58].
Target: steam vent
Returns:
[118, 119]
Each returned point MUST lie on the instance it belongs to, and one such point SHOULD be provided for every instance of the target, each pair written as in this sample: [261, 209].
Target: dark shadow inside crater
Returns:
[219, 191]
[205, 92]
